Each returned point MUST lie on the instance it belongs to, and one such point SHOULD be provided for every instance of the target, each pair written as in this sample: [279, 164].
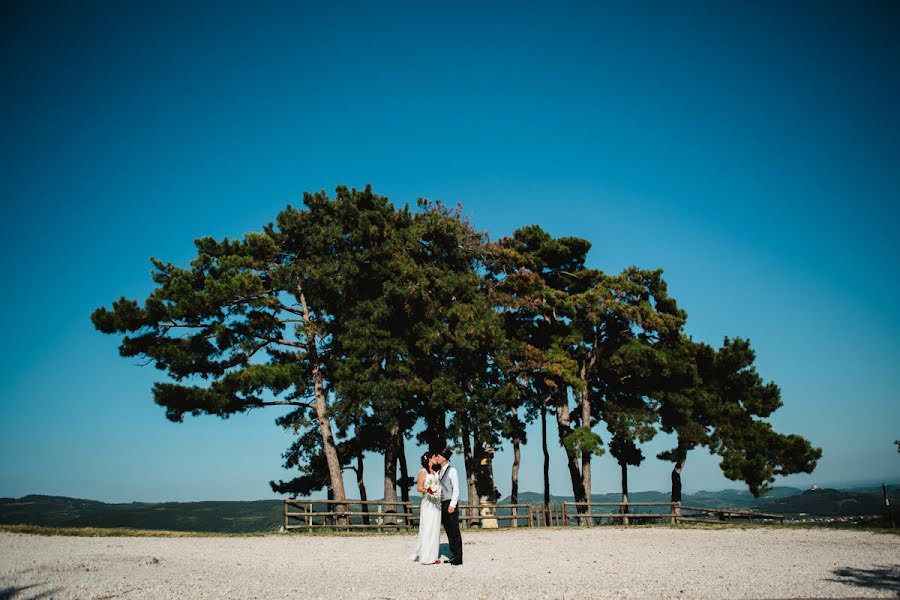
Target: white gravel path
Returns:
[606, 562]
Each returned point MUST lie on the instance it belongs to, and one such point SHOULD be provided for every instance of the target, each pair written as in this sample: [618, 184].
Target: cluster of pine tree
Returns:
[368, 320]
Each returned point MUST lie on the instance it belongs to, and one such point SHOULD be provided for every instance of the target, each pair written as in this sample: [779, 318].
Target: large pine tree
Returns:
[367, 320]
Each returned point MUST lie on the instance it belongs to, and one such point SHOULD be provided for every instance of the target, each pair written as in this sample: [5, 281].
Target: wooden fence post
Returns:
[379, 519]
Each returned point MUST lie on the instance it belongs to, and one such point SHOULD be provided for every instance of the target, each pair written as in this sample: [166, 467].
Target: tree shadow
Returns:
[16, 592]
[443, 552]
[879, 577]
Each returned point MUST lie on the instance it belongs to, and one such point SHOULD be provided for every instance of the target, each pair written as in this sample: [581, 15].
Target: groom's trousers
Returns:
[450, 521]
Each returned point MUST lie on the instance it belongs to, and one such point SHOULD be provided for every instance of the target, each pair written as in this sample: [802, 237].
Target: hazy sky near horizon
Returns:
[749, 149]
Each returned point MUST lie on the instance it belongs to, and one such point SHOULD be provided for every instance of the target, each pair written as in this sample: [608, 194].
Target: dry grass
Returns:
[116, 532]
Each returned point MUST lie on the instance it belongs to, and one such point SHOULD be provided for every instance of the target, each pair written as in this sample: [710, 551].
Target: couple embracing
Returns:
[438, 482]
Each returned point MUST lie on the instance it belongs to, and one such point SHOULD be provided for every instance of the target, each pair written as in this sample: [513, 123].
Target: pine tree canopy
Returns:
[368, 320]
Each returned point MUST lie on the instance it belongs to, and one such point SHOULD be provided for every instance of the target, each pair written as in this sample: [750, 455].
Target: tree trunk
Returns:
[329, 506]
[390, 471]
[585, 422]
[485, 484]
[435, 425]
[469, 460]
[563, 421]
[514, 496]
[517, 458]
[404, 469]
[360, 479]
[624, 467]
[546, 460]
[680, 457]
[676, 478]
[330, 450]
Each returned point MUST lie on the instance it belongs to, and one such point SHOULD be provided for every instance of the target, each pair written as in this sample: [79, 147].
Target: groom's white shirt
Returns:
[449, 484]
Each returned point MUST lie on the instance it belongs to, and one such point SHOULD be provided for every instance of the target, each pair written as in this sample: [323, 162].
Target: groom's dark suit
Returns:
[450, 521]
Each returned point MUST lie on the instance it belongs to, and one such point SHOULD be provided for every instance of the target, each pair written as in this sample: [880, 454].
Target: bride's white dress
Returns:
[428, 543]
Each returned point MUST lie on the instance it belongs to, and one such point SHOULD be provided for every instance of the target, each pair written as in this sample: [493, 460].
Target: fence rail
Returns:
[321, 514]
[726, 514]
[586, 516]
[584, 512]
[309, 514]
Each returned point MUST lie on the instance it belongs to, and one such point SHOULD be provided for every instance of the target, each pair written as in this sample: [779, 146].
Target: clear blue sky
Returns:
[749, 149]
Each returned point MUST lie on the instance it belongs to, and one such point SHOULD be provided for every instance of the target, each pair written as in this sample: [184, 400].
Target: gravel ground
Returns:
[606, 562]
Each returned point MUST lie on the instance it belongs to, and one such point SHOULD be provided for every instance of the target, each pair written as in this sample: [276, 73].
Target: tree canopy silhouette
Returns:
[372, 324]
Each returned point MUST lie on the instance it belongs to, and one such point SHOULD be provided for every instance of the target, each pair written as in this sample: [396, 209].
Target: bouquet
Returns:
[432, 487]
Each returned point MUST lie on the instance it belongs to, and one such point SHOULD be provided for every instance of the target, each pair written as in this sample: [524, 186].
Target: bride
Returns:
[428, 484]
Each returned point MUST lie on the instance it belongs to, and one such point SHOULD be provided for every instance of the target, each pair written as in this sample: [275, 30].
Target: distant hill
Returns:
[780, 500]
[268, 515]
[704, 499]
[833, 502]
[57, 511]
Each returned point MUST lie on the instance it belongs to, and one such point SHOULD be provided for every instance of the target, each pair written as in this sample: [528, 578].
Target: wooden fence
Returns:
[725, 514]
[380, 515]
[584, 513]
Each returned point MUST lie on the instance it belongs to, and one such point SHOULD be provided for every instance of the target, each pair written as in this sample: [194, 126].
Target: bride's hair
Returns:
[426, 457]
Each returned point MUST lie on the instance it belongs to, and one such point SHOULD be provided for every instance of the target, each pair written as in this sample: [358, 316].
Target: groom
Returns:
[450, 494]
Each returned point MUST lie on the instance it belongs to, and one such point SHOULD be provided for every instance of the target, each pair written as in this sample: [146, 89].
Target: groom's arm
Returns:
[454, 480]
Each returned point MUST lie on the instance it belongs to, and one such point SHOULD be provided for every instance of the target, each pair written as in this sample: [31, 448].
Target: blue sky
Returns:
[749, 149]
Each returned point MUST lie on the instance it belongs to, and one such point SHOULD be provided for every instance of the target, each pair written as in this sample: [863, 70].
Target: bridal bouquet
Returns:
[432, 487]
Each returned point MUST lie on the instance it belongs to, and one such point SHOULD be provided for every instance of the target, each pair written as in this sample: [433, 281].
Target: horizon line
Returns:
[829, 485]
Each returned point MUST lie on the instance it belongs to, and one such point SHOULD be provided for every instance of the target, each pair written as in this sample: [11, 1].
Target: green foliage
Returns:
[754, 453]
[720, 404]
[396, 316]
[582, 439]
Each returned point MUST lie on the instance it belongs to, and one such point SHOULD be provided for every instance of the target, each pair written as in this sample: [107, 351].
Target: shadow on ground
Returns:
[444, 550]
[878, 578]
[23, 593]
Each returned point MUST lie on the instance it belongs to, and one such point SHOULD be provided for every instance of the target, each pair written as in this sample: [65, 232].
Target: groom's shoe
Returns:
[455, 562]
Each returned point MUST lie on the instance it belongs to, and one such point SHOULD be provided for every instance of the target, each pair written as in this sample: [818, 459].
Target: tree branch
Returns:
[248, 298]
[289, 309]
[282, 341]
[281, 403]
[172, 325]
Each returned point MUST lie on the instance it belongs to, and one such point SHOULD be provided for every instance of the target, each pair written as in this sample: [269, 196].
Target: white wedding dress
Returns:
[428, 543]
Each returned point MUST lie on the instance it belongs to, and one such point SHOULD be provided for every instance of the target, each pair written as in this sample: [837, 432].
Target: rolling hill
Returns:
[267, 515]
